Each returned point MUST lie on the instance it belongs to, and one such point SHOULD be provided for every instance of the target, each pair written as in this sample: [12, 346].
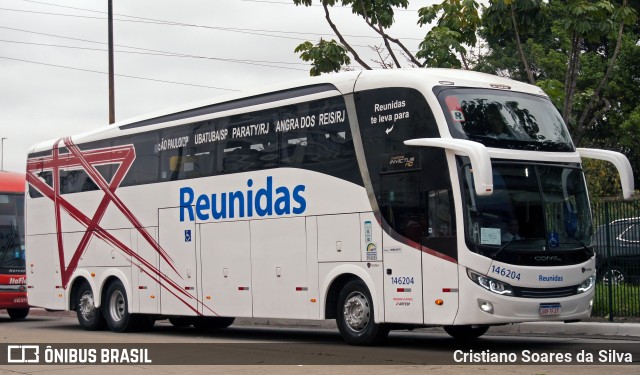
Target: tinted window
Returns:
[504, 119]
[412, 184]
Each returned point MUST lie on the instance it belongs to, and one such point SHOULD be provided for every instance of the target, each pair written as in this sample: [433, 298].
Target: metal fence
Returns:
[617, 246]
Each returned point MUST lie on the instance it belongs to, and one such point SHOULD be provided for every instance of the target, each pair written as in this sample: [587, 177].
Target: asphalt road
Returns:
[281, 350]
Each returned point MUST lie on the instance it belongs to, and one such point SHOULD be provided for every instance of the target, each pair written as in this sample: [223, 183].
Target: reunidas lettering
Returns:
[266, 201]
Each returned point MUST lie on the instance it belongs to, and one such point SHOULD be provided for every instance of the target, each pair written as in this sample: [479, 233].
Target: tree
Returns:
[583, 53]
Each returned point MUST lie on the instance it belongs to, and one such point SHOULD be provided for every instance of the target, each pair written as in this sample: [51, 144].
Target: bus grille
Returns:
[546, 292]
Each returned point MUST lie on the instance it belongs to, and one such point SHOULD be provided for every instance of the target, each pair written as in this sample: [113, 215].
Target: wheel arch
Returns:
[80, 277]
[110, 277]
[335, 280]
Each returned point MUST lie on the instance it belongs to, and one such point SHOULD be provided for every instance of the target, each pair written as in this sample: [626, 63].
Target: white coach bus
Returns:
[382, 199]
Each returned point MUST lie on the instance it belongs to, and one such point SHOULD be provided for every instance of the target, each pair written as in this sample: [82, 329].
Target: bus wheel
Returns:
[116, 309]
[212, 322]
[469, 332]
[355, 317]
[89, 316]
[17, 314]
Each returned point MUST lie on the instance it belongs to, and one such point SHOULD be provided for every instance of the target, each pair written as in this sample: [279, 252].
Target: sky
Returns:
[54, 61]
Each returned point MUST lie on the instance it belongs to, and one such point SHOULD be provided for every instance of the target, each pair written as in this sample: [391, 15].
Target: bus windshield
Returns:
[12, 233]
[533, 208]
[504, 119]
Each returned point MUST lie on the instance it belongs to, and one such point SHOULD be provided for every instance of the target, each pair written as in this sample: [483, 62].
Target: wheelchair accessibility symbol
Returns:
[187, 235]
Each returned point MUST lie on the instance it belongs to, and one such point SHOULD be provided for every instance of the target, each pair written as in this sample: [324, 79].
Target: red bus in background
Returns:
[13, 288]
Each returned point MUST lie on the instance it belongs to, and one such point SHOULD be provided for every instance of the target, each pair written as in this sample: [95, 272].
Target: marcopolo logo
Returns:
[265, 201]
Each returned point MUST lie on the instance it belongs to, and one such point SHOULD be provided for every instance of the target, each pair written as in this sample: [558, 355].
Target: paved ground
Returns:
[593, 327]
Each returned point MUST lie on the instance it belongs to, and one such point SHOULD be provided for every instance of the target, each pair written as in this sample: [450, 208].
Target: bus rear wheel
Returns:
[18, 314]
[355, 317]
[467, 332]
[116, 309]
[89, 316]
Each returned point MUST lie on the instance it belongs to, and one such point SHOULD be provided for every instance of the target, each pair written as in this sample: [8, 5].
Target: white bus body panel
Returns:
[178, 239]
[100, 253]
[225, 259]
[402, 282]
[41, 263]
[339, 238]
[279, 268]
[146, 286]
[439, 282]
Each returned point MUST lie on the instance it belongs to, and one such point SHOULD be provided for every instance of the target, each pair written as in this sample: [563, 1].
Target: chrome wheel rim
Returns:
[616, 276]
[87, 306]
[117, 306]
[357, 312]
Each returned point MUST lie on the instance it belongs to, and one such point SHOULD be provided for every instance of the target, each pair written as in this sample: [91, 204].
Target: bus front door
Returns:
[403, 216]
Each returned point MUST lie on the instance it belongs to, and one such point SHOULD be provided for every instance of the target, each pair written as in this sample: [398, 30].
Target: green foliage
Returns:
[589, 19]
[326, 57]
[439, 48]
[626, 300]
[380, 12]
[555, 90]
[456, 26]
[602, 179]
[601, 101]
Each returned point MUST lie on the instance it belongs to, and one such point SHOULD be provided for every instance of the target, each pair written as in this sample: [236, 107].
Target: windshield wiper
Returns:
[578, 242]
[515, 239]
[495, 254]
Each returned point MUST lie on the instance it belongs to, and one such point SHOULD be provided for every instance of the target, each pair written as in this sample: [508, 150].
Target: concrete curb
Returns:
[539, 328]
[579, 328]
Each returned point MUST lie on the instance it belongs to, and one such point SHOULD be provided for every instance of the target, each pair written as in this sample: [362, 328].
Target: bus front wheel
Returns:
[18, 314]
[467, 332]
[89, 316]
[355, 317]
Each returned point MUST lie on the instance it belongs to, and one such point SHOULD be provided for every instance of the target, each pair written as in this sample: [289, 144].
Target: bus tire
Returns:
[210, 323]
[467, 332]
[18, 314]
[89, 316]
[355, 317]
[116, 309]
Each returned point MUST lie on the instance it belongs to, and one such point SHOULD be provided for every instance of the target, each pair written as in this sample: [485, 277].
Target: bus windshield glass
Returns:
[504, 119]
[11, 233]
[533, 208]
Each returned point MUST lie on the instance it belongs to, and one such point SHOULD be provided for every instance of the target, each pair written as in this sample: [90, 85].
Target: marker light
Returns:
[439, 302]
[490, 284]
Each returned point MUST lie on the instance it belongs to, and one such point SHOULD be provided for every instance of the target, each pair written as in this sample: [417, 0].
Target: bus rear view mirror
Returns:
[621, 163]
[477, 153]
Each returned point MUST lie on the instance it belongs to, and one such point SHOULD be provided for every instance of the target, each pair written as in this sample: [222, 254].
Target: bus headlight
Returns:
[490, 284]
[587, 284]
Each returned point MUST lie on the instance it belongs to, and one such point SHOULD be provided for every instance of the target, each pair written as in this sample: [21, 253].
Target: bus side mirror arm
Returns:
[619, 160]
[477, 153]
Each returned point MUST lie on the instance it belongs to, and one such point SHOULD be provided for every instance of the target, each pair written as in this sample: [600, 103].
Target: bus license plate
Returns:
[547, 309]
